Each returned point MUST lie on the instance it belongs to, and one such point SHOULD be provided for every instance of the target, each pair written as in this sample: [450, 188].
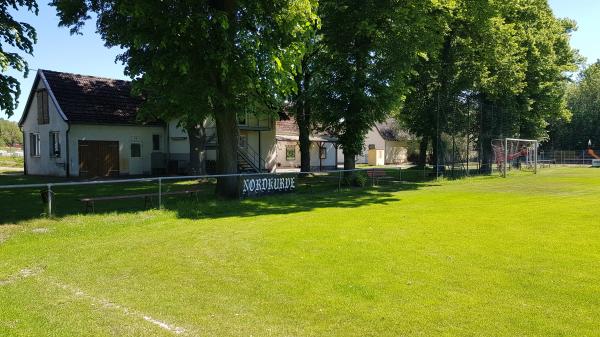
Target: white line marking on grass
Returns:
[110, 305]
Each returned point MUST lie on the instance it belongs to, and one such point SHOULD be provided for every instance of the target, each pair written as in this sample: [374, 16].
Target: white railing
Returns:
[160, 181]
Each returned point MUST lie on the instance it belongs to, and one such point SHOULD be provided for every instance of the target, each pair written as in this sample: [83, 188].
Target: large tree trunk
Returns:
[303, 120]
[197, 137]
[228, 135]
[349, 160]
[423, 151]
[435, 156]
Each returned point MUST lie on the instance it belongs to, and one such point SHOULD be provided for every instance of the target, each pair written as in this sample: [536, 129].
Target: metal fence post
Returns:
[400, 174]
[159, 193]
[373, 177]
[339, 181]
[49, 200]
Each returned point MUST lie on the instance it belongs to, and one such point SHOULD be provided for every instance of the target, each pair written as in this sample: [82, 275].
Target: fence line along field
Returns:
[479, 256]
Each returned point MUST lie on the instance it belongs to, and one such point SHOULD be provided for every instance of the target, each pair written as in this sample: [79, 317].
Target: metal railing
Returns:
[310, 182]
[252, 157]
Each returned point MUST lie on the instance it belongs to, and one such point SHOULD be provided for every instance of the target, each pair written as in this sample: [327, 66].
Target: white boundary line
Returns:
[104, 303]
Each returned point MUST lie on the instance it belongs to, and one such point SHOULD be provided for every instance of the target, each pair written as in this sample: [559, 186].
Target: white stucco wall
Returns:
[395, 152]
[125, 135]
[44, 164]
[328, 162]
[179, 142]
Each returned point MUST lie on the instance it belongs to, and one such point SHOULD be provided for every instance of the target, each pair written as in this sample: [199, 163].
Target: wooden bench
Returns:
[546, 163]
[375, 175]
[89, 202]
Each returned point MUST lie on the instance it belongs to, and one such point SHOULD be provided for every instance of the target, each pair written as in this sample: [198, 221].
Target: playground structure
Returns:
[596, 161]
[515, 153]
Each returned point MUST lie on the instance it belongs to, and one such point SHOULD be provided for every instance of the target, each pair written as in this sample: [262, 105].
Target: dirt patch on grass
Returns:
[40, 230]
[22, 274]
[6, 231]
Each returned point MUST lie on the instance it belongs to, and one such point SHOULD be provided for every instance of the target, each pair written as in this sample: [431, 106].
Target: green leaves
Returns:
[18, 36]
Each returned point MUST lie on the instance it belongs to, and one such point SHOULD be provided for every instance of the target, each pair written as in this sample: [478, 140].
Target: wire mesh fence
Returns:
[567, 157]
[24, 201]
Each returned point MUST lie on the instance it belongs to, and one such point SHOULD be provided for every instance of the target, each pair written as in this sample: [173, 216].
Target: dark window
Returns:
[323, 152]
[34, 145]
[155, 142]
[136, 150]
[242, 119]
[54, 145]
[42, 107]
[290, 152]
[243, 141]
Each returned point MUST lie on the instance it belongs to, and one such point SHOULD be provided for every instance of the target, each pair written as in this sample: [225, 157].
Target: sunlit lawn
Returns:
[478, 257]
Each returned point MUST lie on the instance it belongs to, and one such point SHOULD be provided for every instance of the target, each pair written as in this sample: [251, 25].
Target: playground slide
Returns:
[593, 154]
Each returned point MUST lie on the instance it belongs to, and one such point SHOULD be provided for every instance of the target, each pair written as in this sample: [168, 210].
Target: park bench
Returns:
[546, 163]
[90, 202]
[376, 175]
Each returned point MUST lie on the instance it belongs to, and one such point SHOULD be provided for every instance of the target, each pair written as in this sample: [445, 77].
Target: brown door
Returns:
[98, 158]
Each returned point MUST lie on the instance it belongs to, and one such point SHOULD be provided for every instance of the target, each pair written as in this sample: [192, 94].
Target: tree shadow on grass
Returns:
[26, 204]
[302, 201]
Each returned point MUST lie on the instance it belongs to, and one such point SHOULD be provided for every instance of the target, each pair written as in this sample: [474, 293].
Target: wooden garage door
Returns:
[98, 158]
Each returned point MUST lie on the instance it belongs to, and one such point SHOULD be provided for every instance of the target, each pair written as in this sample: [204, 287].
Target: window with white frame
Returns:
[323, 152]
[290, 152]
[54, 144]
[243, 141]
[136, 150]
[34, 144]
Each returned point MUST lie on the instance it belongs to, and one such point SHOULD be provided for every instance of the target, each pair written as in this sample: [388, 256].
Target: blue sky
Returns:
[58, 50]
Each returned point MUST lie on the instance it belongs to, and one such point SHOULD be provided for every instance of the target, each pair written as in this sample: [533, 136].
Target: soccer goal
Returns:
[513, 153]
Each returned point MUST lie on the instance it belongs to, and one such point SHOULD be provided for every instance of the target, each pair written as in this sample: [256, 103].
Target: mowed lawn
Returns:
[478, 257]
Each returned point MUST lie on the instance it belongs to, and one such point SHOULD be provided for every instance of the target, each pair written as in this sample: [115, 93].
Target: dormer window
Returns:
[42, 106]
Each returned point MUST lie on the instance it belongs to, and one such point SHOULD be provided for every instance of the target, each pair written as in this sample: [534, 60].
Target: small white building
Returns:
[388, 137]
[76, 125]
[323, 148]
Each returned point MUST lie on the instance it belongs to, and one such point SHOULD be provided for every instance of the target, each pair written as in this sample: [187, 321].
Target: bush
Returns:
[356, 179]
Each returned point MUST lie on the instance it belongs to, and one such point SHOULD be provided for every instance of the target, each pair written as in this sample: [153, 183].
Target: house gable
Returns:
[40, 82]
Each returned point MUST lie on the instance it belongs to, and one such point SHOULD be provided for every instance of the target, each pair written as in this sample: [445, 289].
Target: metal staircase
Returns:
[250, 160]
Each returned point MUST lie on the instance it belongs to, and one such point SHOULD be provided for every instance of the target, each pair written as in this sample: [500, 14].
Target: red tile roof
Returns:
[96, 100]
[287, 127]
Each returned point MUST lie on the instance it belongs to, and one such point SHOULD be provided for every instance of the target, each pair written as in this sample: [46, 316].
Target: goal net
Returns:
[515, 154]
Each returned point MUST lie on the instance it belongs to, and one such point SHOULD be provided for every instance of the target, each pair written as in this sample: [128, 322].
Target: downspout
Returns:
[68, 153]
[24, 153]
[259, 154]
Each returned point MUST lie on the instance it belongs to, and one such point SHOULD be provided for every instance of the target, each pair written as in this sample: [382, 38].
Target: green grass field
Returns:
[477, 257]
[11, 162]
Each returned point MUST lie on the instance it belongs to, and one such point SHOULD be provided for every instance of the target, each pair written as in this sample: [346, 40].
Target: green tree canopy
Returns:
[193, 59]
[501, 67]
[10, 134]
[369, 50]
[15, 37]
[584, 102]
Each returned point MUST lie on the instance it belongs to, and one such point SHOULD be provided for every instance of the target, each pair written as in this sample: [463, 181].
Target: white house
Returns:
[388, 137]
[323, 148]
[76, 125]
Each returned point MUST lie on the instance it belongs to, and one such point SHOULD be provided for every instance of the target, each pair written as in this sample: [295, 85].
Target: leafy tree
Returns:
[548, 57]
[583, 99]
[10, 134]
[370, 48]
[215, 58]
[510, 58]
[477, 53]
[16, 36]
[301, 101]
